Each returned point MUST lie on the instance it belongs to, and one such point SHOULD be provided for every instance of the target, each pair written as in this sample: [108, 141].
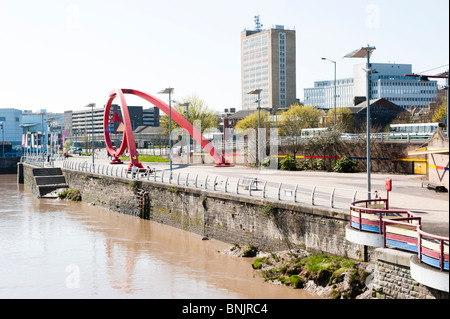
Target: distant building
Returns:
[268, 62]
[388, 81]
[231, 120]
[79, 124]
[10, 129]
[382, 112]
[27, 129]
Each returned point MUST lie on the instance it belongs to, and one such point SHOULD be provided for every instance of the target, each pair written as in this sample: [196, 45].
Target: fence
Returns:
[400, 229]
[314, 195]
[41, 160]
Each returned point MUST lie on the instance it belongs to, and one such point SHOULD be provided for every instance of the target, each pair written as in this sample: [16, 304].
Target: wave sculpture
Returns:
[128, 137]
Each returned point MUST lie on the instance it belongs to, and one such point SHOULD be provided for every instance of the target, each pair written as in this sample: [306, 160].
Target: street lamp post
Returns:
[258, 92]
[3, 138]
[169, 91]
[365, 52]
[92, 105]
[49, 125]
[334, 89]
[188, 146]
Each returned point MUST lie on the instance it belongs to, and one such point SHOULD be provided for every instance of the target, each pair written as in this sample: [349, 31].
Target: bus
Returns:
[414, 130]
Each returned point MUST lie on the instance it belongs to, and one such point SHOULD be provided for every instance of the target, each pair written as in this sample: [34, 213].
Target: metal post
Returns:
[170, 128]
[92, 119]
[259, 125]
[188, 148]
[361, 53]
[448, 96]
[368, 122]
[335, 92]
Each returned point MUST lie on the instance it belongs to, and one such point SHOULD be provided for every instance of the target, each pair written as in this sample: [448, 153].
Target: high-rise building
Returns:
[268, 62]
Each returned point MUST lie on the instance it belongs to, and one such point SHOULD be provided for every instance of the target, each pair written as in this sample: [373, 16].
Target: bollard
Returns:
[279, 190]
[312, 195]
[332, 198]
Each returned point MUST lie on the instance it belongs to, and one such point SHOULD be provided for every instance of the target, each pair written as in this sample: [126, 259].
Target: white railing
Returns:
[40, 160]
[315, 195]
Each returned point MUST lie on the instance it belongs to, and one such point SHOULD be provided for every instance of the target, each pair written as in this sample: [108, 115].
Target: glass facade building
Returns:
[388, 81]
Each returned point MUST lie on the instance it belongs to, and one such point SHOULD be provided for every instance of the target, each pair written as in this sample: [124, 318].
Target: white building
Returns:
[387, 81]
[268, 62]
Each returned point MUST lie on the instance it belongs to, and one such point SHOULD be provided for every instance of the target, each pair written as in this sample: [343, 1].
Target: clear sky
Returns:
[63, 54]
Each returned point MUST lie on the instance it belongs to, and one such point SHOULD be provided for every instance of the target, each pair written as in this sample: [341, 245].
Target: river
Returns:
[53, 249]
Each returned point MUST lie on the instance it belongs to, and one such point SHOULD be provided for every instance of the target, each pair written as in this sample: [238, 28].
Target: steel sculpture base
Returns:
[116, 160]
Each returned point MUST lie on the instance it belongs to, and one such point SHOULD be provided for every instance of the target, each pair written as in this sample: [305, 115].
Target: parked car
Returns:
[13, 154]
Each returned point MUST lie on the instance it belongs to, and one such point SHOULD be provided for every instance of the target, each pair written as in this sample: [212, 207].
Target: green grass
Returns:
[147, 158]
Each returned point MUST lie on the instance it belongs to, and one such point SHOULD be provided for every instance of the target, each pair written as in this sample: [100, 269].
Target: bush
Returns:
[304, 164]
[345, 165]
[288, 163]
[319, 164]
[267, 162]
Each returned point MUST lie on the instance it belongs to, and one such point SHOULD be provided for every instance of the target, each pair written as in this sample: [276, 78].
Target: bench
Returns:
[248, 182]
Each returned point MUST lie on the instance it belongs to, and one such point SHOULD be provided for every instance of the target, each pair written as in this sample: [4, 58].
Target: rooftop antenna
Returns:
[258, 25]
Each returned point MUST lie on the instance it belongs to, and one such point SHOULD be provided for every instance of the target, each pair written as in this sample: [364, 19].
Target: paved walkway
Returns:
[407, 193]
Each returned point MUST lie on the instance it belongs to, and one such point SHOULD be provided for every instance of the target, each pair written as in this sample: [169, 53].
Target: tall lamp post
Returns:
[92, 105]
[49, 125]
[188, 146]
[3, 138]
[169, 91]
[258, 92]
[334, 89]
[365, 52]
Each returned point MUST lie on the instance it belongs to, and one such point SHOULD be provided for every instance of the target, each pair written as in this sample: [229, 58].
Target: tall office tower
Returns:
[268, 62]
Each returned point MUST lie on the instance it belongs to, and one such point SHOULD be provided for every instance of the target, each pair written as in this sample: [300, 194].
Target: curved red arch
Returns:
[128, 137]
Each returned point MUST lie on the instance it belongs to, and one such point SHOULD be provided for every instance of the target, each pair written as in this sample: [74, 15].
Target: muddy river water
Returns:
[58, 249]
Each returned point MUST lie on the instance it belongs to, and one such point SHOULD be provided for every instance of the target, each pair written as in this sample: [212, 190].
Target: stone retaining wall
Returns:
[231, 218]
[392, 278]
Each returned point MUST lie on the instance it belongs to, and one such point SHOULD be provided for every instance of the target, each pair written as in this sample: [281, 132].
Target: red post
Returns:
[388, 186]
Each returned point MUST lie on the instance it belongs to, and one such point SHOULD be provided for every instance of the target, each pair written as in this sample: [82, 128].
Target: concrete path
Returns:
[407, 193]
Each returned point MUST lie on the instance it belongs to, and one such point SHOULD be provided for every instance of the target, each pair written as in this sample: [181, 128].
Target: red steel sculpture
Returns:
[128, 137]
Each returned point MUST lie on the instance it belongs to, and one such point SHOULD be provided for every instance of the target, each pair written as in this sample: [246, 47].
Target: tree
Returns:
[67, 146]
[198, 111]
[344, 119]
[295, 119]
[251, 121]
[441, 112]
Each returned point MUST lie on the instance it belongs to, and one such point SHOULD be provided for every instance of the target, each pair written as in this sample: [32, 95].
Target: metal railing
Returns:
[400, 229]
[314, 195]
[433, 250]
[40, 160]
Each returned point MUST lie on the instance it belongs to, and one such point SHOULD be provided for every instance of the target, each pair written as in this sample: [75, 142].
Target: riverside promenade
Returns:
[407, 191]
